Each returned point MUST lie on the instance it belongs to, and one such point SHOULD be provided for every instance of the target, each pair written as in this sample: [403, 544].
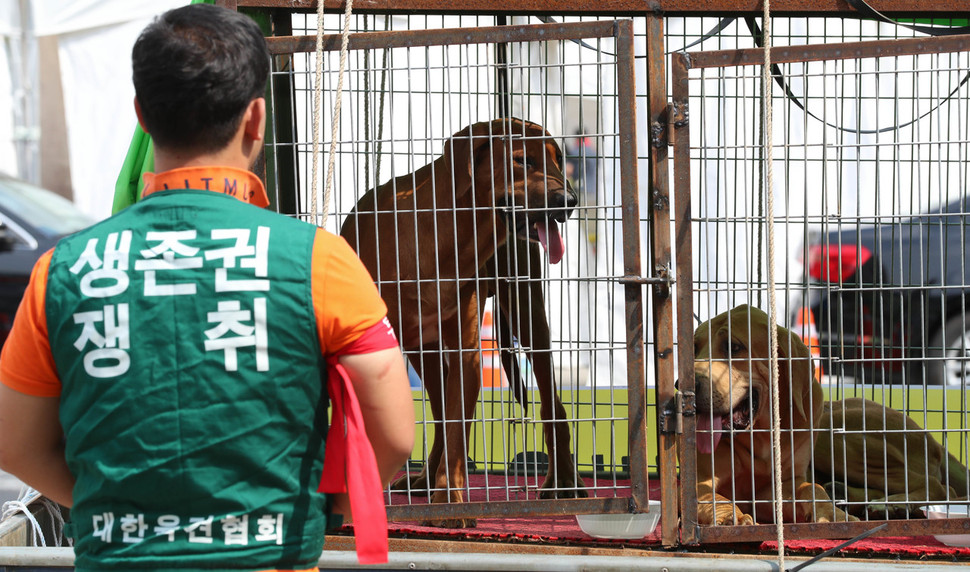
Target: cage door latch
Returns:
[672, 417]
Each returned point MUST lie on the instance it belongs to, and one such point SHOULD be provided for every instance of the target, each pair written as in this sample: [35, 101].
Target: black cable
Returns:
[717, 29]
[870, 12]
[776, 73]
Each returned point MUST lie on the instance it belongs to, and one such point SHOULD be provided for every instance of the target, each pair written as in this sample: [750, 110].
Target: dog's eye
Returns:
[735, 348]
[523, 161]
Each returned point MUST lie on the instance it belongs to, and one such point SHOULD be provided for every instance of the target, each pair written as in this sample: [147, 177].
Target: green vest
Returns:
[183, 332]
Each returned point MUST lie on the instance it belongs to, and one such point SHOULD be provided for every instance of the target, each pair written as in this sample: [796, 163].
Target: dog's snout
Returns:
[571, 199]
[564, 200]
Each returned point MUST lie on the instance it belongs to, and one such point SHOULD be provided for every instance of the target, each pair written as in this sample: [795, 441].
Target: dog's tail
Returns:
[510, 362]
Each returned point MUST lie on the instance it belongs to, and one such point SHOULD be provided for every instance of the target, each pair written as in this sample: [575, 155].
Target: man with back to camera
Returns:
[181, 344]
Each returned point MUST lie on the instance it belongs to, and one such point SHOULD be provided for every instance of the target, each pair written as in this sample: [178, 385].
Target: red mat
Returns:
[549, 529]
[494, 488]
[903, 546]
[564, 529]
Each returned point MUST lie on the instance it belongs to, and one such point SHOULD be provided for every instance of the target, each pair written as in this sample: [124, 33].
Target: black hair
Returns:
[195, 70]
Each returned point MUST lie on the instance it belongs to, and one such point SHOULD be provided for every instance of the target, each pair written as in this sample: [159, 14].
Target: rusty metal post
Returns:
[680, 127]
[633, 290]
[662, 303]
[502, 73]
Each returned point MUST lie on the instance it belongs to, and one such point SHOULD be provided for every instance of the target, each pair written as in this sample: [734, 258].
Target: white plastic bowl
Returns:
[949, 511]
[621, 525]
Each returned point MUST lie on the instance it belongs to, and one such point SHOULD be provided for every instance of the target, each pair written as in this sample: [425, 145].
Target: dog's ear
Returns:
[795, 372]
[463, 152]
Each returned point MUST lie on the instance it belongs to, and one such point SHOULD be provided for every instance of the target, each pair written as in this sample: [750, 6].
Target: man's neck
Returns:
[240, 152]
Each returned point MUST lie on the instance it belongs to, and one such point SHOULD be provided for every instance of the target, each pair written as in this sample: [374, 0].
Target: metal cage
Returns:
[871, 221]
[631, 258]
[434, 84]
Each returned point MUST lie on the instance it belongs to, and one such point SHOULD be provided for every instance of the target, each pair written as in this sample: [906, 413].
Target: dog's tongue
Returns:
[708, 433]
[551, 240]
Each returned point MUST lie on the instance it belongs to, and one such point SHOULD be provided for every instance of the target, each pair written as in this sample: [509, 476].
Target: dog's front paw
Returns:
[737, 518]
[725, 516]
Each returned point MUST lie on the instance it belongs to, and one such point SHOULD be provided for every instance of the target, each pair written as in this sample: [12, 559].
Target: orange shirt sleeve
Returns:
[345, 299]
[26, 364]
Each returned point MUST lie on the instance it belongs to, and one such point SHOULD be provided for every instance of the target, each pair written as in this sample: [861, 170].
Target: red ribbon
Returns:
[349, 463]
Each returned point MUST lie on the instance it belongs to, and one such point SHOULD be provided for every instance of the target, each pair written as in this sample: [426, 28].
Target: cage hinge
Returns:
[678, 407]
[679, 114]
[662, 131]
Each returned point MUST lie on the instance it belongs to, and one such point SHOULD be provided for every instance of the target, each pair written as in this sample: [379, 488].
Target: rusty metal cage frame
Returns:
[668, 229]
[678, 124]
[621, 32]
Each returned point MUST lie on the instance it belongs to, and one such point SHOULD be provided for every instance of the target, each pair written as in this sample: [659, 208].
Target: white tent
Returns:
[86, 45]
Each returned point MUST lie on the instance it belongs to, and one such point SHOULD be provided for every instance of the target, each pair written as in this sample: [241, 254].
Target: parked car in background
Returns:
[890, 299]
[32, 220]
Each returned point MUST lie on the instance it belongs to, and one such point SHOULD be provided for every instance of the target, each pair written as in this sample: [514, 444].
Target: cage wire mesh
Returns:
[870, 174]
[401, 108]
[864, 150]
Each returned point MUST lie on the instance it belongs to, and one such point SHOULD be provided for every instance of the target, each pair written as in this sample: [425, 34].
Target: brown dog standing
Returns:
[734, 442]
[425, 237]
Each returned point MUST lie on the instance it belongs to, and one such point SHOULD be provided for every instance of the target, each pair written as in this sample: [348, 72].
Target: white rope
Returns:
[772, 310]
[320, 218]
[22, 505]
[10, 508]
[317, 111]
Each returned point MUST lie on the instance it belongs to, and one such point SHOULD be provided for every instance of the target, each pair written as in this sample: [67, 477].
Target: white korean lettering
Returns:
[103, 524]
[169, 255]
[88, 258]
[231, 318]
[241, 253]
[200, 529]
[108, 358]
[168, 524]
[108, 275]
[269, 528]
[236, 529]
[133, 526]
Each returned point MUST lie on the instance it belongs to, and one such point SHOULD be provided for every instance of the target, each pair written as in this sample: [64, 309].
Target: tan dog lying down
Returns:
[903, 468]
[429, 237]
[734, 443]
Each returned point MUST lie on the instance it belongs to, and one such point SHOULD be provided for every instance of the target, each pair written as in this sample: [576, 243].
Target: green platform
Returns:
[598, 421]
